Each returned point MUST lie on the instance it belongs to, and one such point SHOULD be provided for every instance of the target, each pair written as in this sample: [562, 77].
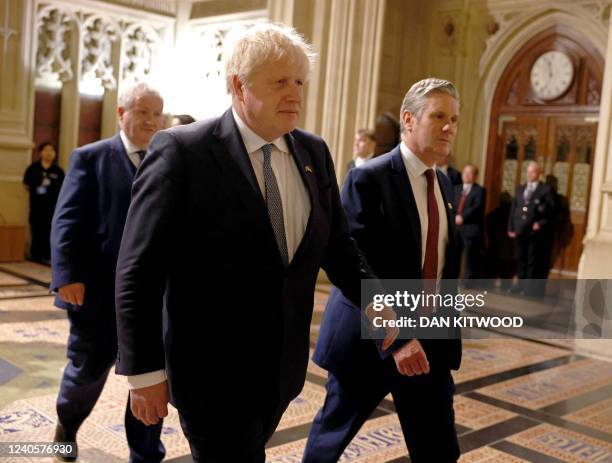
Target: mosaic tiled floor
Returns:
[553, 385]
[597, 416]
[31, 270]
[517, 401]
[564, 445]
[6, 279]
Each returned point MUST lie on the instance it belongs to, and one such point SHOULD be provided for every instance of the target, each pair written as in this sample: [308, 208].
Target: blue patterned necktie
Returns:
[274, 203]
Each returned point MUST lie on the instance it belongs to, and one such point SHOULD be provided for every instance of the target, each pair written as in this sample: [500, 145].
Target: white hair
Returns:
[131, 93]
[247, 48]
[416, 97]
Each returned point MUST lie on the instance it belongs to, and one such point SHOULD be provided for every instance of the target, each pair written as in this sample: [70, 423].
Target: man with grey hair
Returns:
[230, 222]
[85, 237]
[399, 213]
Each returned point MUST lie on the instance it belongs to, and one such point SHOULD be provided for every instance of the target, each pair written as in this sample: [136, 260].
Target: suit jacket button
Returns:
[524, 208]
[523, 217]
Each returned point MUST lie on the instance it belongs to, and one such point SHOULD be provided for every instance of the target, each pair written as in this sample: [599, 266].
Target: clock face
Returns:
[551, 75]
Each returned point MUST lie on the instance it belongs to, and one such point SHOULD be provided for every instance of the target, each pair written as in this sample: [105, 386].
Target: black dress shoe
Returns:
[69, 441]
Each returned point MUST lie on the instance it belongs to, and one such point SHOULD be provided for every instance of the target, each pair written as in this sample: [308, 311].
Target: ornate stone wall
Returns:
[78, 46]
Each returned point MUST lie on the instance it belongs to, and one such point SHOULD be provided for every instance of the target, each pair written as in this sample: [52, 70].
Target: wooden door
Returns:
[570, 161]
[558, 133]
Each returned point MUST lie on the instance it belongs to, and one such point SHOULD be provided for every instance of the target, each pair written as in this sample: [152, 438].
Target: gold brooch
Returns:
[308, 169]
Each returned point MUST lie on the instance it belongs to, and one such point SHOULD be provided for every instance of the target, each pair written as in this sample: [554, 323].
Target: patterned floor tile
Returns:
[379, 440]
[7, 292]
[314, 368]
[7, 279]
[29, 304]
[8, 371]
[546, 387]
[303, 408]
[477, 415]
[102, 436]
[489, 455]
[489, 356]
[40, 366]
[53, 331]
[31, 270]
[597, 416]
[565, 445]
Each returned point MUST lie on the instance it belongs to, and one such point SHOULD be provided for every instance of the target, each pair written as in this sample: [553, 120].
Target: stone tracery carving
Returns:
[212, 44]
[96, 55]
[138, 51]
[53, 56]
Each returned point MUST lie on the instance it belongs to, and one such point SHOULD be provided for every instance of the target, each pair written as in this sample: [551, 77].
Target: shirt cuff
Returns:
[146, 379]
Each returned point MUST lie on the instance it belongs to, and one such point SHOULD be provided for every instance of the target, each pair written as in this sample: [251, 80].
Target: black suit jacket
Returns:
[540, 208]
[384, 220]
[199, 242]
[454, 176]
[473, 211]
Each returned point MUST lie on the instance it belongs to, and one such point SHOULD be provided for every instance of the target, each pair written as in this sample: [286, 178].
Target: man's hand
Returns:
[74, 293]
[387, 313]
[410, 359]
[536, 226]
[459, 220]
[150, 403]
[512, 234]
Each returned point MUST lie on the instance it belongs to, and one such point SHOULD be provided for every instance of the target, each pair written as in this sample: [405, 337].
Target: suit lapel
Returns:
[302, 160]
[404, 191]
[232, 157]
[447, 205]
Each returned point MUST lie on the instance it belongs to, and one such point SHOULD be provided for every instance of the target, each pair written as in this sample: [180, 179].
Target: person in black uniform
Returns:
[530, 225]
[43, 179]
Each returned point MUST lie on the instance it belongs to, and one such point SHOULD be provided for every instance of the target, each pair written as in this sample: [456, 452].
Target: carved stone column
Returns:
[594, 305]
[15, 102]
[341, 95]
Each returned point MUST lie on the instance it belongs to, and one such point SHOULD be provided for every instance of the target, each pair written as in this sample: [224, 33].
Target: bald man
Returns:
[529, 225]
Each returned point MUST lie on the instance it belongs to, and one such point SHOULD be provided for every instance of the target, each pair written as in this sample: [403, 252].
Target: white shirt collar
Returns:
[254, 142]
[127, 144]
[415, 166]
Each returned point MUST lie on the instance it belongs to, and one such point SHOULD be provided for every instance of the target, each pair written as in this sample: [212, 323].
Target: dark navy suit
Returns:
[85, 238]
[384, 220]
[198, 241]
[471, 232]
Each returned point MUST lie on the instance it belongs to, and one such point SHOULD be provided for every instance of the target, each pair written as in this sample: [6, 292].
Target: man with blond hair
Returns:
[398, 209]
[363, 148]
[85, 237]
[230, 221]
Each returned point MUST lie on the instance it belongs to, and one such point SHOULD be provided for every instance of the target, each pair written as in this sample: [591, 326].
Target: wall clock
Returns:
[551, 75]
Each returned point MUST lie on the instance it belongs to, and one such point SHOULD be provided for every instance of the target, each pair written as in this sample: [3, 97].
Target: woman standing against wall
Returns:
[43, 179]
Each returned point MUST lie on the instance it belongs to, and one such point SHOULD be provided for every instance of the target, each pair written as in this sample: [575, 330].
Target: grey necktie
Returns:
[274, 203]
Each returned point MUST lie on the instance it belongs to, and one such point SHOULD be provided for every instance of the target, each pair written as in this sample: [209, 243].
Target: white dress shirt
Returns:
[294, 195]
[416, 173]
[293, 192]
[131, 149]
[359, 160]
